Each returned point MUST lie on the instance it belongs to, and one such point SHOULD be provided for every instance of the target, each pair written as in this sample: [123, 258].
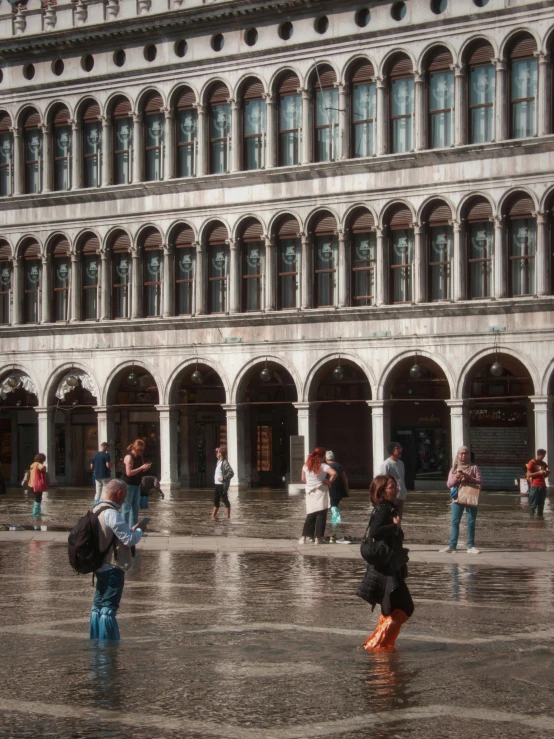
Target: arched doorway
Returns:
[501, 420]
[132, 400]
[18, 424]
[199, 395]
[74, 423]
[420, 421]
[266, 395]
[343, 420]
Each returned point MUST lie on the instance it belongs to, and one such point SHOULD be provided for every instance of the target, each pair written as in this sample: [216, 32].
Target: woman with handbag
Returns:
[135, 469]
[464, 481]
[317, 476]
[38, 481]
[384, 580]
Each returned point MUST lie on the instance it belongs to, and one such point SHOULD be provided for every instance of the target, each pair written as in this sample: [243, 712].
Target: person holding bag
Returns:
[464, 480]
[317, 476]
[384, 580]
[38, 481]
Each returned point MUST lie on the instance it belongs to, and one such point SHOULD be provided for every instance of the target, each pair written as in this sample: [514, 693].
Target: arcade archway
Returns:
[18, 424]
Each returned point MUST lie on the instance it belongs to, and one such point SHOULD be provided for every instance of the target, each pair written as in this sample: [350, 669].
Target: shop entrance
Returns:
[18, 425]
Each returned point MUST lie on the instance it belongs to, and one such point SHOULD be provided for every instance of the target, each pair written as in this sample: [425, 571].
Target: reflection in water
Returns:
[103, 669]
[464, 582]
[387, 681]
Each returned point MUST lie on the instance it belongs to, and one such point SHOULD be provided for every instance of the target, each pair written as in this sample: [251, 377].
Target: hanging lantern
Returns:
[265, 375]
[14, 381]
[497, 370]
[197, 377]
[133, 379]
[416, 372]
[72, 380]
[338, 372]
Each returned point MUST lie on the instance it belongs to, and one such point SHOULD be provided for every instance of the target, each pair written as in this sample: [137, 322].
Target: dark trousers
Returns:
[38, 498]
[219, 495]
[109, 588]
[314, 525]
[537, 496]
[401, 599]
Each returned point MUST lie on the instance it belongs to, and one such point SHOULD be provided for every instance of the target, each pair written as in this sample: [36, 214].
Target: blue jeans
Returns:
[537, 497]
[457, 513]
[130, 509]
[107, 597]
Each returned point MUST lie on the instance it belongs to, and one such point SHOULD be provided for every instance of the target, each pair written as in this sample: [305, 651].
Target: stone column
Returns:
[543, 261]
[105, 286]
[169, 475]
[18, 162]
[381, 267]
[420, 264]
[306, 283]
[169, 145]
[501, 101]
[460, 111]
[344, 269]
[380, 432]
[75, 310]
[46, 440]
[270, 271]
[271, 132]
[107, 152]
[76, 156]
[459, 272]
[138, 148]
[458, 425]
[17, 307]
[68, 430]
[500, 277]
[344, 123]
[382, 116]
[307, 133]
[307, 425]
[235, 445]
[544, 94]
[106, 431]
[202, 159]
[47, 159]
[168, 283]
[544, 429]
[46, 290]
[201, 294]
[186, 425]
[234, 276]
[236, 137]
[136, 284]
[420, 112]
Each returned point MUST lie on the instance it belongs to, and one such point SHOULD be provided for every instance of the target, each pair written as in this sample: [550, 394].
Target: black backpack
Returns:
[83, 543]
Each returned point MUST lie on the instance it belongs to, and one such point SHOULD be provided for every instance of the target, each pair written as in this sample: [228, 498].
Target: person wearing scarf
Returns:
[467, 479]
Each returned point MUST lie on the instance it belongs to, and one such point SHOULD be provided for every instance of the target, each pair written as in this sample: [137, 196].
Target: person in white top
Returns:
[317, 477]
[222, 479]
[393, 466]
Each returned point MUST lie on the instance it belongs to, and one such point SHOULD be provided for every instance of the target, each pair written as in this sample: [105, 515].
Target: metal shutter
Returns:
[217, 234]
[219, 94]
[401, 217]
[186, 98]
[91, 244]
[326, 224]
[362, 221]
[122, 242]
[363, 72]
[289, 228]
[290, 84]
[479, 210]
[5, 250]
[439, 214]
[253, 90]
[481, 52]
[253, 231]
[5, 123]
[60, 248]
[154, 103]
[151, 239]
[401, 66]
[32, 250]
[523, 47]
[91, 113]
[122, 108]
[324, 77]
[521, 207]
[62, 117]
[31, 119]
[439, 59]
[183, 236]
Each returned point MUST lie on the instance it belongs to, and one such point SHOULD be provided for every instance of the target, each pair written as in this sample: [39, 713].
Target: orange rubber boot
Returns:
[374, 641]
[398, 618]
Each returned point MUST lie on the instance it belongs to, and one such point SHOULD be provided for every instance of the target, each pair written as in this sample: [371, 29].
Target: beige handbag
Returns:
[468, 495]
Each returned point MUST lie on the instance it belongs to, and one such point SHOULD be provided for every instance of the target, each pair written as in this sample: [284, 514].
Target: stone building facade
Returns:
[232, 223]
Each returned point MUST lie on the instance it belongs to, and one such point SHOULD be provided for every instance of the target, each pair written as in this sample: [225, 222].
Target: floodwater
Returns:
[266, 646]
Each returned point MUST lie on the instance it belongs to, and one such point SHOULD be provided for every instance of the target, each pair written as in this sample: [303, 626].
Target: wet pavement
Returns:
[265, 645]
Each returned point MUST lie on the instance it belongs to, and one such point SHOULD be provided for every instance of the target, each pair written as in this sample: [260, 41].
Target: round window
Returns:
[119, 57]
[218, 42]
[286, 30]
[57, 67]
[398, 11]
[481, 3]
[181, 48]
[87, 62]
[362, 17]
[322, 24]
[438, 6]
[251, 36]
[150, 52]
[29, 71]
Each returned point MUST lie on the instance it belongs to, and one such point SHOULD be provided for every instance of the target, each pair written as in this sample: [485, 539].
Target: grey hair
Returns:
[114, 486]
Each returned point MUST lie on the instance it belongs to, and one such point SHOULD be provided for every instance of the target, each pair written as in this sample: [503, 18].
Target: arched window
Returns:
[440, 87]
[61, 270]
[62, 149]
[401, 105]
[152, 273]
[220, 129]
[32, 142]
[92, 145]
[522, 246]
[523, 87]
[122, 142]
[253, 267]
[363, 109]
[362, 258]
[480, 248]
[401, 251]
[5, 282]
[218, 269]
[288, 264]
[121, 276]
[290, 120]
[90, 266]
[186, 122]
[325, 261]
[326, 115]
[482, 87]
[32, 276]
[154, 136]
[254, 125]
[439, 249]
[6, 155]
[184, 254]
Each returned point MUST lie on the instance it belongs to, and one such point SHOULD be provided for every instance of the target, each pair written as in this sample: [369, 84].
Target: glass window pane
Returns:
[402, 102]
[153, 165]
[5, 288]
[92, 144]
[326, 107]
[62, 152]
[326, 257]
[482, 82]
[364, 140]
[91, 266]
[185, 260]
[187, 125]
[123, 142]
[524, 89]
[31, 281]
[441, 91]
[6, 163]
[185, 161]
[363, 102]
[220, 121]
[402, 254]
[482, 125]
[440, 259]
[253, 264]
[219, 157]
[523, 119]
[253, 153]
[481, 247]
[401, 135]
[523, 244]
[33, 158]
[254, 117]
[290, 112]
[90, 305]
[122, 263]
[288, 149]
[289, 271]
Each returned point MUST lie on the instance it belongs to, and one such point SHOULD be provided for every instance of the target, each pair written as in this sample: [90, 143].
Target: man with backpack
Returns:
[115, 540]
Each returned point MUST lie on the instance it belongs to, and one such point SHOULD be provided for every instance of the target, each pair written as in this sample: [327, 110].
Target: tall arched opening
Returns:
[18, 424]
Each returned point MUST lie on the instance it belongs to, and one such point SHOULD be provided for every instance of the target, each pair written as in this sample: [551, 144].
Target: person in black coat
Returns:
[386, 585]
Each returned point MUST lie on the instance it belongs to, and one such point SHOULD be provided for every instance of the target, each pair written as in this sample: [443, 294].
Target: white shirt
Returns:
[317, 498]
[218, 472]
[395, 468]
[115, 521]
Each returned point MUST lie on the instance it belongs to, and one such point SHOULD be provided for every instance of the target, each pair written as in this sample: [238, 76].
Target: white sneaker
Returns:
[472, 550]
[302, 540]
[321, 541]
[448, 550]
